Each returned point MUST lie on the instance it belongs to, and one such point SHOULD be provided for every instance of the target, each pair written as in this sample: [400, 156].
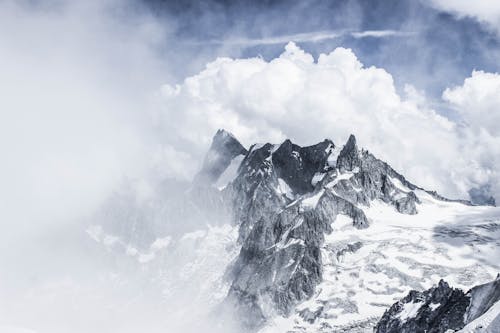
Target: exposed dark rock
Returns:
[350, 248]
[349, 158]
[311, 316]
[284, 199]
[482, 298]
[407, 204]
[297, 165]
[439, 309]
[223, 149]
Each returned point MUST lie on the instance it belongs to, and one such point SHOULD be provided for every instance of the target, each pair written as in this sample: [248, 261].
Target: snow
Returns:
[398, 253]
[257, 146]
[410, 310]
[434, 306]
[479, 297]
[230, 173]
[274, 148]
[487, 323]
[340, 176]
[284, 238]
[318, 176]
[292, 241]
[196, 265]
[283, 188]
[312, 201]
[332, 158]
[398, 184]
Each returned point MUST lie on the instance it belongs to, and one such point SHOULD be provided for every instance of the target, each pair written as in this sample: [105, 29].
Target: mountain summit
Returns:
[284, 199]
[224, 148]
[301, 239]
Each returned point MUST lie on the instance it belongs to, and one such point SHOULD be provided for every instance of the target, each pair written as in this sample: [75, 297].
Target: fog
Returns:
[108, 107]
[77, 86]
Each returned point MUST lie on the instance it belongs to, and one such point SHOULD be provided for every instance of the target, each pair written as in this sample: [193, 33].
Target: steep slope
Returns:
[285, 200]
[324, 238]
[441, 309]
[366, 270]
[224, 148]
[138, 213]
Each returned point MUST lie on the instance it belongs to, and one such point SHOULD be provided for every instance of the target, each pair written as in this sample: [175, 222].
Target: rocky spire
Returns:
[223, 149]
[348, 158]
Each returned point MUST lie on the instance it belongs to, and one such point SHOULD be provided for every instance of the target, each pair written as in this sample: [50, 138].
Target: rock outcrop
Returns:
[224, 148]
[284, 198]
[440, 309]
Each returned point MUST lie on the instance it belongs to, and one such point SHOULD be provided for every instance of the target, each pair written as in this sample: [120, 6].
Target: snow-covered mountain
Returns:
[322, 238]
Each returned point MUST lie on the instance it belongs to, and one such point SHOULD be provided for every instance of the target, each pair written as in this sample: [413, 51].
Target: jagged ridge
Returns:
[439, 309]
[284, 199]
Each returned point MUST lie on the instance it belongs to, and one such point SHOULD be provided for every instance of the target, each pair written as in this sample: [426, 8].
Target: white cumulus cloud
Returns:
[295, 96]
[478, 103]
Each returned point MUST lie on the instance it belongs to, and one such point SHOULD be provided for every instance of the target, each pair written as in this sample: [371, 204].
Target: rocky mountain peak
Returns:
[225, 142]
[224, 148]
[439, 309]
[348, 158]
[284, 199]
[297, 165]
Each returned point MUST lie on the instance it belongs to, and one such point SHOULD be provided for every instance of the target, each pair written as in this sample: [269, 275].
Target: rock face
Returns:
[439, 309]
[225, 147]
[284, 199]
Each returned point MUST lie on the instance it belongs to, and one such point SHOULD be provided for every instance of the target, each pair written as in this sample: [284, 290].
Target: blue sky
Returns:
[434, 49]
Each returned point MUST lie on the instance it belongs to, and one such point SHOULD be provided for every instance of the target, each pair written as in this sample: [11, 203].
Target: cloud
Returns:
[486, 12]
[381, 33]
[295, 96]
[76, 84]
[78, 114]
[309, 37]
[477, 101]
[75, 79]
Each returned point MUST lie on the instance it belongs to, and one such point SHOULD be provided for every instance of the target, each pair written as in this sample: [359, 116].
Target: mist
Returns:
[108, 107]
[78, 84]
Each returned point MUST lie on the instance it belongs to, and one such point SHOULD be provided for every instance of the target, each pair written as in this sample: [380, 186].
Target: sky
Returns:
[439, 55]
[96, 94]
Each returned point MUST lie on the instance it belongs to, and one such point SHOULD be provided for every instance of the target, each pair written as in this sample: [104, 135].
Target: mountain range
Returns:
[326, 238]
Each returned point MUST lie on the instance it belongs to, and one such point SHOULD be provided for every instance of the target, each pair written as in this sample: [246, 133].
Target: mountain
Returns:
[285, 238]
[285, 199]
[442, 308]
[223, 150]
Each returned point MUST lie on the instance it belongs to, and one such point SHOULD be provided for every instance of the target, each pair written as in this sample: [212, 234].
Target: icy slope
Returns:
[487, 323]
[319, 238]
[366, 271]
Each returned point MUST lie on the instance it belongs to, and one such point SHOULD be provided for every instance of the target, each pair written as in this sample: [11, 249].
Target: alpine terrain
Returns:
[322, 238]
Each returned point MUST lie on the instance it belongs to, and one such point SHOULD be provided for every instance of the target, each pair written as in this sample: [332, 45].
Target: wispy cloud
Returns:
[381, 33]
[308, 37]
